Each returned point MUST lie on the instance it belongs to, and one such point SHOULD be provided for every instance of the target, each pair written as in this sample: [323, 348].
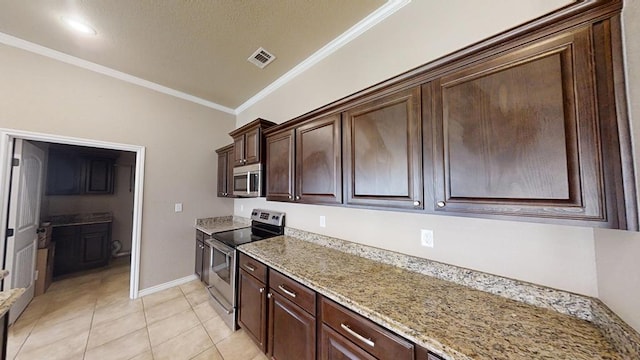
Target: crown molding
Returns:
[389, 8]
[91, 66]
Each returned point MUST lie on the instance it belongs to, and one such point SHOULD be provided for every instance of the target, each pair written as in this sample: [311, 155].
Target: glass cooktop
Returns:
[241, 236]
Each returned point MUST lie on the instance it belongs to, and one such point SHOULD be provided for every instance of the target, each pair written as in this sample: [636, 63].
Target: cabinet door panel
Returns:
[319, 161]
[229, 191]
[67, 248]
[292, 331]
[252, 310]
[64, 174]
[252, 146]
[238, 150]
[334, 346]
[94, 245]
[383, 155]
[517, 134]
[198, 259]
[99, 176]
[280, 166]
[222, 174]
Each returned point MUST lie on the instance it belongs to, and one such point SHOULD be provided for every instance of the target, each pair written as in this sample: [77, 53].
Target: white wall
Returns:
[43, 95]
[561, 257]
[618, 252]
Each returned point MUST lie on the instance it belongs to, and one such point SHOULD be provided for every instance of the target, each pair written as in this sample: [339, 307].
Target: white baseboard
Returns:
[167, 285]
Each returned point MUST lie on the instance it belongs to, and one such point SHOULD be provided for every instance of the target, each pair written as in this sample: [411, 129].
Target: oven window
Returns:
[221, 264]
[240, 183]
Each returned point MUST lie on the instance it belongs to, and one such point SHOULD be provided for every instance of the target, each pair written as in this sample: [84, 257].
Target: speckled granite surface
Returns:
[8, 298]
[561, 301]
[80, 219]
[449, 319]
[623, 337]
[221, 223]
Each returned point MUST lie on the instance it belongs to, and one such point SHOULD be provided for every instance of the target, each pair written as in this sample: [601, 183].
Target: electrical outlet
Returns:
[426, 238]
[323, 221]
[178, 207]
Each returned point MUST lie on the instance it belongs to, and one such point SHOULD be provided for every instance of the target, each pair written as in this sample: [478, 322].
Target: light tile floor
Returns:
[90, 316]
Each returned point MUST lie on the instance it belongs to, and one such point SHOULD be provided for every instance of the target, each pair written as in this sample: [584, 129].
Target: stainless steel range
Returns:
[223, 265]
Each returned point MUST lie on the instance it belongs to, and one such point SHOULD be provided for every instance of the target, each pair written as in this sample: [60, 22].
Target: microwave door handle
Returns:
[248, 182]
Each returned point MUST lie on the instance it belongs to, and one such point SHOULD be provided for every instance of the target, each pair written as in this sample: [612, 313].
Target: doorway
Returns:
[8, 138]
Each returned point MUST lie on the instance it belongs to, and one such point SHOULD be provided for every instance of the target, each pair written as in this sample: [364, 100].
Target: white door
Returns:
[24, 217]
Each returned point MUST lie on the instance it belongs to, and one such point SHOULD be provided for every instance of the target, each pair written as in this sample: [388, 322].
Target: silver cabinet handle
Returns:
[261, 290]
[269, 295]
[365, 340]
[298, 197]
[441, 204]
[249, 267]
[290, 197]
[288, 292]
[416, 203]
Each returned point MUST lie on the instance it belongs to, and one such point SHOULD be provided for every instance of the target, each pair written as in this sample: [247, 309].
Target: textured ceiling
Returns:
[196, 47]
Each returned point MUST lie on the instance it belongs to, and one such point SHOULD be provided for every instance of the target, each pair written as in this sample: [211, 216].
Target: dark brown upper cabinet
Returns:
[383, 152]
[248, 142]
[304, 163]
[225, 171]
[79, 172]
[518, 134]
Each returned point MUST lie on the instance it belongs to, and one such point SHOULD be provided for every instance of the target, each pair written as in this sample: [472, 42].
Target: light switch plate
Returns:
[178, 207]
[323, 221]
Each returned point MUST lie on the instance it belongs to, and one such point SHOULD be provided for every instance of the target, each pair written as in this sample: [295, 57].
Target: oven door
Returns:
[222, 272]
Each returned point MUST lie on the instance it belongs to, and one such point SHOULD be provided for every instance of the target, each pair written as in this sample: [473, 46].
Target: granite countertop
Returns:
[222, 223]
[8, 298]
[81, 219]
[454, 321]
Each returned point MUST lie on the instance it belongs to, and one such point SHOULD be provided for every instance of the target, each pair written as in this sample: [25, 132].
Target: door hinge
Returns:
[9, 232]
[15, 162]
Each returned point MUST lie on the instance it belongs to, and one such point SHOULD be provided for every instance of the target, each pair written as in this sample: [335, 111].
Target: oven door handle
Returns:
[222, 250]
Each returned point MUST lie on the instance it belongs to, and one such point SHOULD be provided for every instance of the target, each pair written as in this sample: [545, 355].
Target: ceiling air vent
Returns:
[261, 58]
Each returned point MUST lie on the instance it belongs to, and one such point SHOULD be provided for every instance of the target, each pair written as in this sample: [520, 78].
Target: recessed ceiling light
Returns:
[79, 26]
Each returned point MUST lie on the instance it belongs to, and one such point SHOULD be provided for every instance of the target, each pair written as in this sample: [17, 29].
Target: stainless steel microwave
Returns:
[247, 181]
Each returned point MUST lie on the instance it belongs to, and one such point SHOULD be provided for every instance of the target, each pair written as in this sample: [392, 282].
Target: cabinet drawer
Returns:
[293, 291]
[371, 337]
[424, 354]
[253, 267]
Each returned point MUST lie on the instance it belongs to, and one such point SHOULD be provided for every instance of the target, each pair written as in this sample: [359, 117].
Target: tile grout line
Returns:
[213, 344]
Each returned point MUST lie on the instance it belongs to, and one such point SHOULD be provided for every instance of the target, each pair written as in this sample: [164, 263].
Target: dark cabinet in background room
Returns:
[78, 172]
[81, 247]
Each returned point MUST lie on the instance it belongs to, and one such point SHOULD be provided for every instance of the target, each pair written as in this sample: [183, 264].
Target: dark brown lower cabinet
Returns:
[334, 346]
[81, 247]
[292, 331]
[252, 308]
[293, 322]
[362, 333]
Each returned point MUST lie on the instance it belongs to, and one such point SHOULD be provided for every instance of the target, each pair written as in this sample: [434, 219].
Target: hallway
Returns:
[90, 316]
